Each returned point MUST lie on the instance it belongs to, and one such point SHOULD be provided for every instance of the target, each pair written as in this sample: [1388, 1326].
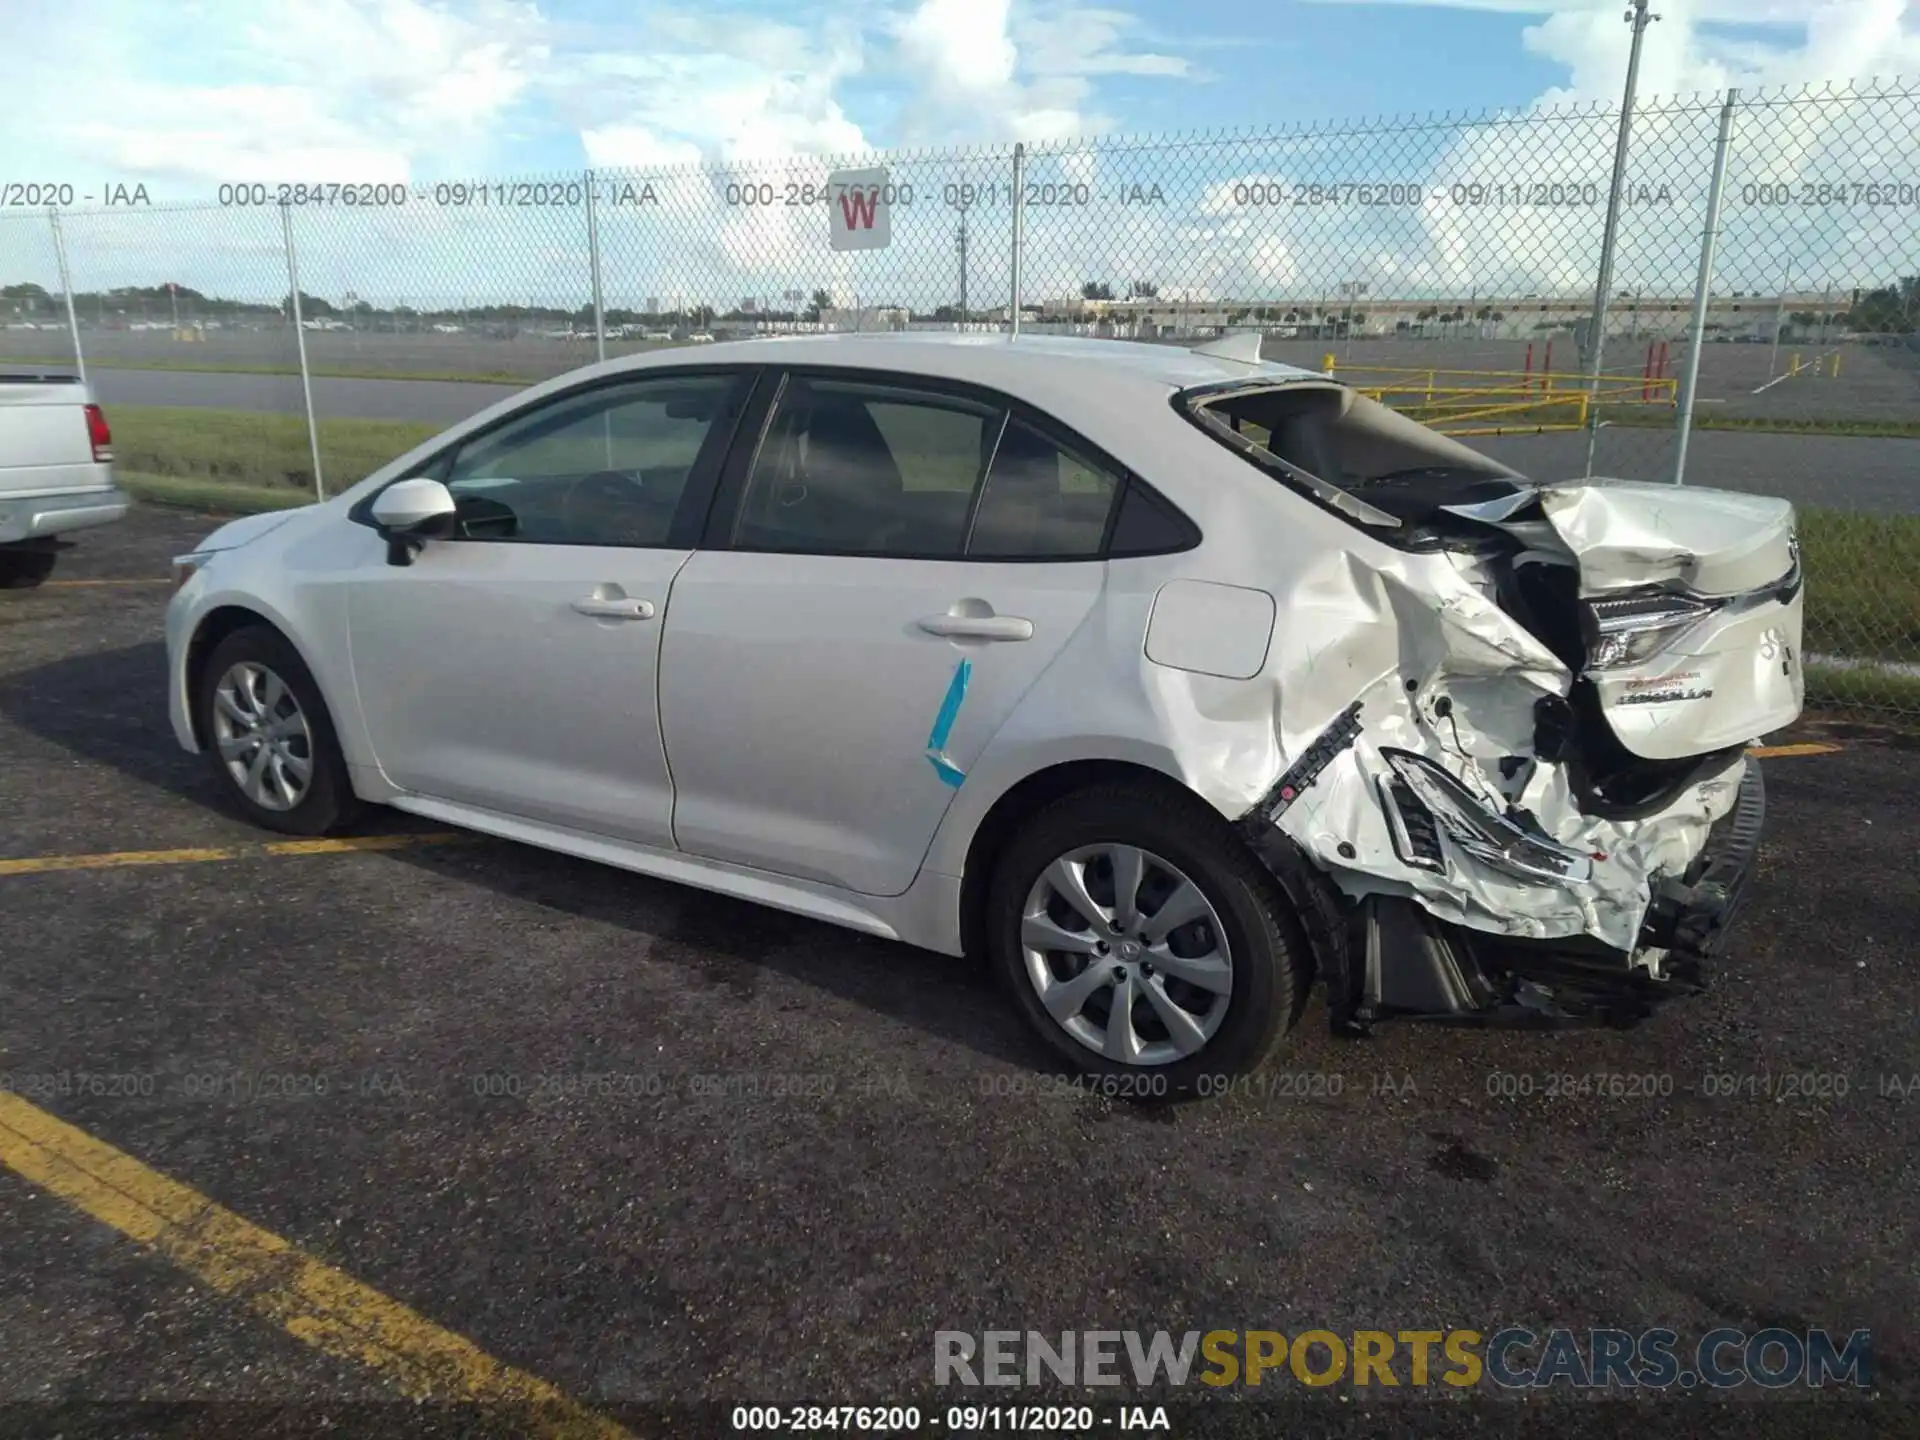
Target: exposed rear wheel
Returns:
[1141, 938]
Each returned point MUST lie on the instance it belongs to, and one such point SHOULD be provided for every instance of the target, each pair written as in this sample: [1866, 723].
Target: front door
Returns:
[514, 666]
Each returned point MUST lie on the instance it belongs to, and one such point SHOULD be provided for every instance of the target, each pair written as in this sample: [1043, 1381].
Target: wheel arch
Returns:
[1026, 798]
[216, 625]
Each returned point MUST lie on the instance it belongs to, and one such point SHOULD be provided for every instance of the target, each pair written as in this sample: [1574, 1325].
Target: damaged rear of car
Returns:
[1516, 784]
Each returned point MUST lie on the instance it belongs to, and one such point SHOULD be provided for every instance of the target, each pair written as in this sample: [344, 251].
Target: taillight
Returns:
[1628, 629]
[99, 434]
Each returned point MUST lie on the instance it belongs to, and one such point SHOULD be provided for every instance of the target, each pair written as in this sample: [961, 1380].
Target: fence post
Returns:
[1019, 227]
[66, 292]
[300, 340]
[593, 264]
[1603, 288]
[1702, 287]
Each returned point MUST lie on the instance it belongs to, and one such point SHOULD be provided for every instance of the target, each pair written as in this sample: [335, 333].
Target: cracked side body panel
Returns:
[1442, 672]
[1482, 696]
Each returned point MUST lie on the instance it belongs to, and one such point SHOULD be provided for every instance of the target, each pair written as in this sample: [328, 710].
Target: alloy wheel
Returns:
[1127, 954]
[262, 736]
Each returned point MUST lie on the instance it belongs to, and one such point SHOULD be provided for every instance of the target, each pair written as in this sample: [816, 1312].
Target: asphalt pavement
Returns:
[657, 1246]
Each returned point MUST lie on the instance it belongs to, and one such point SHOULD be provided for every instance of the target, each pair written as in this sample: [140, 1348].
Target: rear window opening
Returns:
[1350, 452]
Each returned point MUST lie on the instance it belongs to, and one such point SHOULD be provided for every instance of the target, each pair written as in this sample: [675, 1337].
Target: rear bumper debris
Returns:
[1384, 955]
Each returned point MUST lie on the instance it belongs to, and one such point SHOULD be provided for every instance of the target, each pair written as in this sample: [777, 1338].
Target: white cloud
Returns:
[982, 70]
[341, 89]
[1691, 48]
[636, 148]
[961, 46]
[751, 89]
[327, 90]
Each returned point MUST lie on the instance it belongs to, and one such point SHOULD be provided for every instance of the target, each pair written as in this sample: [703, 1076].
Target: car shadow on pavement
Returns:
[732, 947]
[109, 707]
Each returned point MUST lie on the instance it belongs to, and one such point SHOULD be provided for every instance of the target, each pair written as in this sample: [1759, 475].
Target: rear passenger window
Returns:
[1149, 525]
[1041, 500]
[849, 468]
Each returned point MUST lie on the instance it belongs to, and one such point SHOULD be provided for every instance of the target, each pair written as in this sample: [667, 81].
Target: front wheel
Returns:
[1141, 938]
[270, 738]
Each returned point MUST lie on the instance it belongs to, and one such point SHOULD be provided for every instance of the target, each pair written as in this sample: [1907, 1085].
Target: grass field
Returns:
[264, 452]
[1863, 585]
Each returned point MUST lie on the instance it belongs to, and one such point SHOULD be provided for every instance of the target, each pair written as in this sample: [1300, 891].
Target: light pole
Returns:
[960, 244]
[1603, 286]
[1703, 289]
[1779, 317]
[1348, 290]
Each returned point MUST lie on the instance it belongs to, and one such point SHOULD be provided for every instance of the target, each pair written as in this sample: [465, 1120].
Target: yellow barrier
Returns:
[1455, 409]
[1466, 409]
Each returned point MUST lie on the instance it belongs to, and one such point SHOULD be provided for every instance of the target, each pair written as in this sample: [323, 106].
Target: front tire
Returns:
[1141, 939]
[269, 737]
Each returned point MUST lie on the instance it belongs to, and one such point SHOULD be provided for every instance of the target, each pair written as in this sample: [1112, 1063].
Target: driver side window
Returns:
[607, 467]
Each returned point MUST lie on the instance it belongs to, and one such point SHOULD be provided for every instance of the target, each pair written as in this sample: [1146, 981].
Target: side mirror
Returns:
[411, 512]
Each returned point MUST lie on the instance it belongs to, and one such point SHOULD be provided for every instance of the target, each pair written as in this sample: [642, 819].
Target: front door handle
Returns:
[977, 627]
[603, 609]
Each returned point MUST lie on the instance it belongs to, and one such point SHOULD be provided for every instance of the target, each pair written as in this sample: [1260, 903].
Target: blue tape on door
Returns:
[948, 772]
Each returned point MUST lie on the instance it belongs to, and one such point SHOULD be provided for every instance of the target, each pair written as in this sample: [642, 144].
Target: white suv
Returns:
[1171, 680]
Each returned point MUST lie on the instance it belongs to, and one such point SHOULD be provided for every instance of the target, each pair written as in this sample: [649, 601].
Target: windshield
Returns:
[1353, 454]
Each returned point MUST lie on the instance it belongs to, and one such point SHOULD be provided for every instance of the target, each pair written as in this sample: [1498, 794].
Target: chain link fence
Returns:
[1446, 264]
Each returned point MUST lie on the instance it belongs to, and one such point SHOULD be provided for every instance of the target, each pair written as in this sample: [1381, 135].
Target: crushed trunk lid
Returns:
[1689, 606]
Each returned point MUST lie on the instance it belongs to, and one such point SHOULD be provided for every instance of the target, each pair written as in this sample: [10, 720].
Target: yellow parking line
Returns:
[315, 1303]
[116, 859]
[1781, 752]
[54, 584]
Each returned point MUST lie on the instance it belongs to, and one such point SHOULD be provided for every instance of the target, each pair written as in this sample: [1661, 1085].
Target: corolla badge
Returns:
[1665, 690]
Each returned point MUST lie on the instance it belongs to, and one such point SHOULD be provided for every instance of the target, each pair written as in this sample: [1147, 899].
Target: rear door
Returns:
[888, 571]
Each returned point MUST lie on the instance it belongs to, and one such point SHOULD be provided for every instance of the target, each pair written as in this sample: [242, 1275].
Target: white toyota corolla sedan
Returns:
[1171, 680]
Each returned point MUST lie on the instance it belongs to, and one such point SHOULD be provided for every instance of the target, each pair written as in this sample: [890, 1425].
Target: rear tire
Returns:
[269, 737]
[1209, 959]
[24, 569]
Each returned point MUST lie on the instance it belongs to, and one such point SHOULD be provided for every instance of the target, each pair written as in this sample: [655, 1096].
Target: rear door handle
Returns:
[602, 609]
[977, 627]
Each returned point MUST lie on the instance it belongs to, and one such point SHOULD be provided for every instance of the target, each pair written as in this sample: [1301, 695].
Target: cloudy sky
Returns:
[196, 93]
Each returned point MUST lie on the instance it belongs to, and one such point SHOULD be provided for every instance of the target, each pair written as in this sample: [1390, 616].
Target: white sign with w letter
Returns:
[860, 209]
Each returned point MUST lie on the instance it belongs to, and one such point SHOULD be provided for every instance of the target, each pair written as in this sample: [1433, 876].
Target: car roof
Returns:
[1029, 366]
